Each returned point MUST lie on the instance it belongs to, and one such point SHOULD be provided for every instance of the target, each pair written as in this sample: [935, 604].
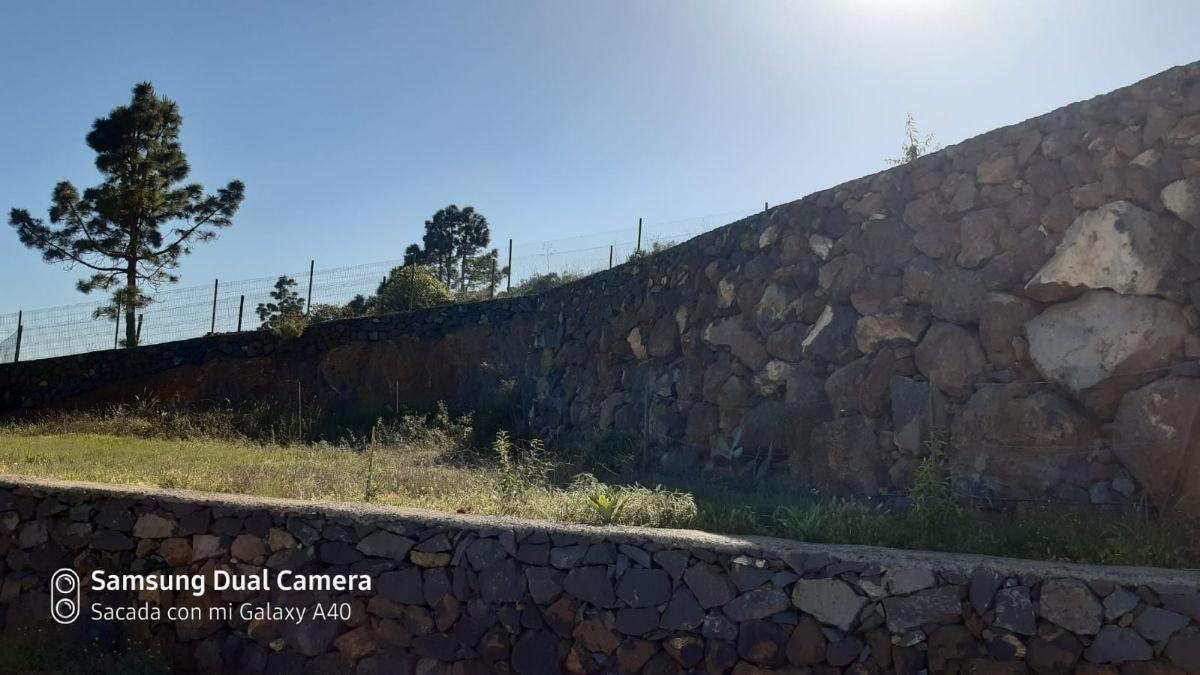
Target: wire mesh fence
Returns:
[8, 348]
[180, 313]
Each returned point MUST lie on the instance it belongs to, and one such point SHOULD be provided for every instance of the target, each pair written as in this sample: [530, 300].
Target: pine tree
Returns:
[287, 302]
[453, 239]
[131, 230]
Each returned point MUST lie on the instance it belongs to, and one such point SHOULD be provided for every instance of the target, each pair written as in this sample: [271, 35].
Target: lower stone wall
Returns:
[465, 594]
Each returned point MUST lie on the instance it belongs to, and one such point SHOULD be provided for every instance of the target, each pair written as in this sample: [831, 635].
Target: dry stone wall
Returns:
[465, 355]
[460, 594]
[1028, 299]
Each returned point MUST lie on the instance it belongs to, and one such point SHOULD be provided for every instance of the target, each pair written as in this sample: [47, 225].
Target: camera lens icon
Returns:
[64, 596]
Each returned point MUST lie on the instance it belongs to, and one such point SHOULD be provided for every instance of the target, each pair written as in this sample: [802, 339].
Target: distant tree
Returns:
[540, 283]
[408, 287]
[131, 230]
[484, 273]
[914, 145]
[287, 303]
[357, 306]
[452, 242]
[327, 312]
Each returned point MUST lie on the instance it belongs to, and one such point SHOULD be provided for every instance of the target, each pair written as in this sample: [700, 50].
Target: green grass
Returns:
[1037, 531]
[429, 462]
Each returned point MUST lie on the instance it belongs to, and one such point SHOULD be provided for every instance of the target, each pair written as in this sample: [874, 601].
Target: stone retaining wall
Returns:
[1031, 297]
[461, 354]
[464, 594]
[1032, 294]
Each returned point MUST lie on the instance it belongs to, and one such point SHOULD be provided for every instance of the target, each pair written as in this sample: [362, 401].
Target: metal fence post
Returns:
[117, 329]
[213, 327]
[138, 334]
[308, 302]
[241, 304]
[492, 286]
[509, 286]
[610, 255]
[766, 207]
[20, 332]
[639, 242]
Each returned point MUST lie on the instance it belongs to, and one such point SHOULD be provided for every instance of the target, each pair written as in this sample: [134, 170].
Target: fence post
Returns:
[213, 327]
[20, 332]
[241, 304]
[509, 286]
[117, 329]
[639, 243]
[610, 254]
[138, 336]
[766, 207]
[308, 302]
[492, 287]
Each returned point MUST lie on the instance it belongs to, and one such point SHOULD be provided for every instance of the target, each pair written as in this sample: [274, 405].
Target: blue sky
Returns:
[351, 123]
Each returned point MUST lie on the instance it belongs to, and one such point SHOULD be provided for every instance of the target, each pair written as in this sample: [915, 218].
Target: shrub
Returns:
[288, 328]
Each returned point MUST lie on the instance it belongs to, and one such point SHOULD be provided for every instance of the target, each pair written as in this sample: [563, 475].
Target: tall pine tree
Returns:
[131, 230]
[453, 239]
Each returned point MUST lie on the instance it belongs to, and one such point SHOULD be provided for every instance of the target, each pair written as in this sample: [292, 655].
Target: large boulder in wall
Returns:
[1157, 437]
[1183, 199]
[956, 295]
[860, 387]
[782, 424]
[843, 457]
[1002, 317]
[1117, 246]
[831, 339]
[1101, 345]
[906, 323]
[1017, 442]
[951, 358]
[744, 344]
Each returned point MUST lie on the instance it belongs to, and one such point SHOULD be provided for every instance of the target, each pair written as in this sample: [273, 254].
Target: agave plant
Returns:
[727, 449]
[758, 467]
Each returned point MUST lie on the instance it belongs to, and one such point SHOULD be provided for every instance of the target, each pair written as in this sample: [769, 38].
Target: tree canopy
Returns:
[131, 230]
[286, 302]
[452, 242]
[408, 287]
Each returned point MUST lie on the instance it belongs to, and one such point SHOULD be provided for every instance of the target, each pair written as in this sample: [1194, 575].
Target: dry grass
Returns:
[423, 476]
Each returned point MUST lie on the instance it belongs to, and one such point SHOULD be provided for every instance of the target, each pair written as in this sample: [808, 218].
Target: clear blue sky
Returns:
[351, 123]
